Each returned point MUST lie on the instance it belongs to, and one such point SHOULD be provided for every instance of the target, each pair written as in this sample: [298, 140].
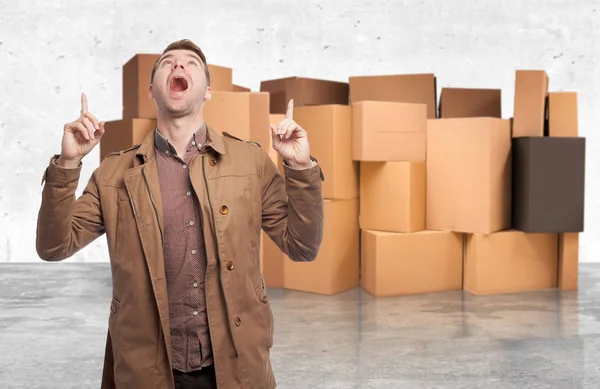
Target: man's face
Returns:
[179, 86]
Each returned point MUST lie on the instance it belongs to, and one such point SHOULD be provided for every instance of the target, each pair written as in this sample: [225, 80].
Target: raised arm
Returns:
[293, 204]
[66, 224]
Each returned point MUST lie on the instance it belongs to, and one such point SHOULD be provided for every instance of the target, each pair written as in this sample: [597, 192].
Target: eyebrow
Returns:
[169, 55]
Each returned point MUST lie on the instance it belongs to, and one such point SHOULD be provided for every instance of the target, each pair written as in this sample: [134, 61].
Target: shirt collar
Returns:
[163, 145]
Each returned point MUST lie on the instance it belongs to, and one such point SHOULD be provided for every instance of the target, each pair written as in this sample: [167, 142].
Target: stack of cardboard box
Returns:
[419, 197]
[139, 111]
[548, 170]
[510, 194]
[450, 197]
[398, 254]
[321, 107]
[304, 92]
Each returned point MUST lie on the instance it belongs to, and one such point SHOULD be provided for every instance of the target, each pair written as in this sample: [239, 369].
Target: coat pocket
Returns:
[265, 310]
[114, 310]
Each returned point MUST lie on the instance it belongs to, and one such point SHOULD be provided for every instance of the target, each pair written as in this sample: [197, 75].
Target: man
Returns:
[183, 213]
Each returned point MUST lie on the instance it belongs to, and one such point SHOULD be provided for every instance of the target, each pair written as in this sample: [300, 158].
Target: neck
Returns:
[179, 131]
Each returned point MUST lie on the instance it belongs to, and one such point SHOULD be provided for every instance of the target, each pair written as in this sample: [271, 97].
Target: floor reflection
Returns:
[544, 339]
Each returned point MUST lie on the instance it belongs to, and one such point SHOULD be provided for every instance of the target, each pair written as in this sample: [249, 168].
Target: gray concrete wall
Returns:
[51, 51]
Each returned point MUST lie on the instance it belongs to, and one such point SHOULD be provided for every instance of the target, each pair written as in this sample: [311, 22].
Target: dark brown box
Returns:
[548, 184]
[401, 88]
[304, 91]
[470, 102]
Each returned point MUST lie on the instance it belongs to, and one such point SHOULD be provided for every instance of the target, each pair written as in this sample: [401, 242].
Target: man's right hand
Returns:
[80, 137]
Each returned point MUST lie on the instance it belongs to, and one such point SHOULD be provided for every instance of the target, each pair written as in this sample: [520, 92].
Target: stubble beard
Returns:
[182, 108]
[177, 110]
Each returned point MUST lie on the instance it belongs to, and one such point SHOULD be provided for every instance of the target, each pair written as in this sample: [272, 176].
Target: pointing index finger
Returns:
[84, 104]
[290, 110]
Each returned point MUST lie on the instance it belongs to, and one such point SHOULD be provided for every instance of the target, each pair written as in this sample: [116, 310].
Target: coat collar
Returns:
[214, 141]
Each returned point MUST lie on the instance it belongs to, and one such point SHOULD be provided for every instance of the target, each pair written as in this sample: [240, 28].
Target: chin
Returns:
[175, 107]
[176, 112]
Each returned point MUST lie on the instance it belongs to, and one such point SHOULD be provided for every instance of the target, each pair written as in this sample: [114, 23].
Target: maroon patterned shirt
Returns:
[185, 255]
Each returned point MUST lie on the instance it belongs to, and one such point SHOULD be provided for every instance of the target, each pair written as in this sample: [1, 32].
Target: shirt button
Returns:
[185, 166]
[189, 193]
[195, 284]
[195, 313]
[191, 223]
[193, 251]
[193, 143]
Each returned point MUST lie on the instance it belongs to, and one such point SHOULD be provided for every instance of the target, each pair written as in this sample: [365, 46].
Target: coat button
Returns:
[230, 265]
[112, 308]
[264, 298]
[212, 162]
[238, 321]
[224, 210]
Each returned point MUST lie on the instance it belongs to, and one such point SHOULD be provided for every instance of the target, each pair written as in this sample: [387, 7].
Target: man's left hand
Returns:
[291, 141]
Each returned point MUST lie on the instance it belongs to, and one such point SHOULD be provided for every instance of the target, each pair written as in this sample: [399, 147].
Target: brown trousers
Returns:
[201, 379]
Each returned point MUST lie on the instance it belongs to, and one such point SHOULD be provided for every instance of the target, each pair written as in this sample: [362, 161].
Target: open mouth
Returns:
[178, 84]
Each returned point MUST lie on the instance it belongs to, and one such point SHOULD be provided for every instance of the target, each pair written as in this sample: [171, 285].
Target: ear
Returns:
[150, 93]
[208, 94]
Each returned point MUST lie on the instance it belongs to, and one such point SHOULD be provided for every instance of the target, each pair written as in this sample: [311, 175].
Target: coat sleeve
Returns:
[65, 225]
[292, 209]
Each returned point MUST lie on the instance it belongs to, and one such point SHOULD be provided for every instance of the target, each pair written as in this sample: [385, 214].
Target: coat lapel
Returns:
[143, 188]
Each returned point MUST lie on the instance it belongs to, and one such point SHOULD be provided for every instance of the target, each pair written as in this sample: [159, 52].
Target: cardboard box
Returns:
[468, 175]
[568, 261]
[136, 80]
[388, 131]
[470, 102]
[272, 260]
[563, 114]
[548, 184]
[123, 134]
[137, 73]
[238, 88]
[221, 78]
[305, 92]
[329, 129]
[242, 114]
[336, 268]
[509, 262]
[402, 88]
[409, 263]
[530, 107]
[392, 196]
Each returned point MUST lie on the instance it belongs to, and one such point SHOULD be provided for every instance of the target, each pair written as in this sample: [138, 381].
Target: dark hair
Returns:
[184, 44]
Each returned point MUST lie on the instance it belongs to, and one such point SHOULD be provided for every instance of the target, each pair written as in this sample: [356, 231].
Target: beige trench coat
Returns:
[240, 192]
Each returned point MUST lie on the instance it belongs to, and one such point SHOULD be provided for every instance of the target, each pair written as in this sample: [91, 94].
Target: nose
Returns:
[178, 63]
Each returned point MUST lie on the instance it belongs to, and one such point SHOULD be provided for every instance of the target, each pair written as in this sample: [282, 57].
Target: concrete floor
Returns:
[53, 323]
